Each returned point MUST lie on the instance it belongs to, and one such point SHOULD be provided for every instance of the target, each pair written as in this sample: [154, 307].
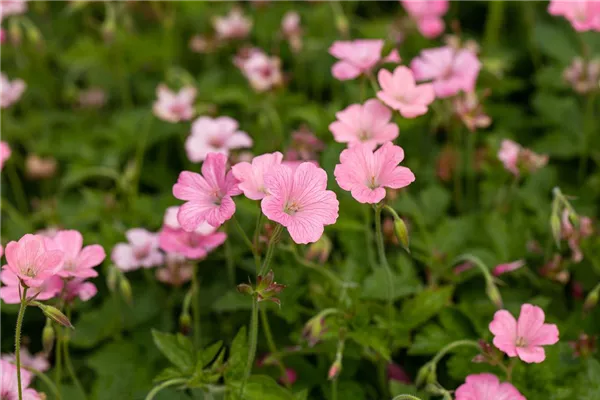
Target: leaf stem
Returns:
[165, 384]
[252, 343]
[18, 338]
[384, 263]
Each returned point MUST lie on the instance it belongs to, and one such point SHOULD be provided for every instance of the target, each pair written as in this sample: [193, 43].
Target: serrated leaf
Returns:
[176, 348]
[238, 355]
[424, 306]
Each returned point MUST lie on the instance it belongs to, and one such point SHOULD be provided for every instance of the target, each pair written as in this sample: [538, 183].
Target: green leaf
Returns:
[168, 373]
[238, 355]
[556, 41]
[262, 387]
[369, 339]
[424, 306]
[208, 354]
[177, 348]
[375, 285]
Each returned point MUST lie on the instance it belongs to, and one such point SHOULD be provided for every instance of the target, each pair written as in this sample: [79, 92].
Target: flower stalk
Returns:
[18, 338]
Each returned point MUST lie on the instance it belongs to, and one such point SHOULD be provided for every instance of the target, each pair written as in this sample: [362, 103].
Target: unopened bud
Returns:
[185, 322]
[319, 250]
[244, 288]
[555, 227]
[125, 289]
[341, 23]
[111, 279]
[48, 337]
[334, 370]
[592, 299]
[54, 314]
[426, 375]
[494, 294]
[401, 233]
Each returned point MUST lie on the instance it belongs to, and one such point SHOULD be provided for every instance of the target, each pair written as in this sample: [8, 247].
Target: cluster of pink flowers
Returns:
[174, 106]
[262, 71]
[232, 26]
[574, 234]
[428, 15]
[584, 15]
[10, 91]
[215, 135]
[517, 159]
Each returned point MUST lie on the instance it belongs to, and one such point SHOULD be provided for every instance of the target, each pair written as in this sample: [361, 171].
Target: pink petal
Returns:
[190, 186]
[530, 321]
[70, 242]
[343, 71]
[504, 328]
[531, 354]
[91, 256]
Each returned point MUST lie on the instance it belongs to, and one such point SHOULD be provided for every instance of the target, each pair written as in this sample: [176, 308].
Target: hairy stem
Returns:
[253, 336]
[165, 384]
[18, 339]
[385, 265]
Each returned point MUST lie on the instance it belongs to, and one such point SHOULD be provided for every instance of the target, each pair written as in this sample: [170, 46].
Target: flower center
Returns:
[30, 271]
[521, 342]
[372, 183]
[364, 135]
[216, 142]
[291, 208]
[141, 252]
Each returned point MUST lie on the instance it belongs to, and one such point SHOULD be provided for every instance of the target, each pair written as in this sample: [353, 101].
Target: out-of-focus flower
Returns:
[366, 173]
[262, 71]
[396, 373]
[470, 110]
[10, 290]
[300, 201]
[523, 338]
[508, 267]
[192, 245]
[584, 15]
[517, 159]
[177, 271]
[305, 146]
[140, 251]
[555, 270]
[234, 25]
[356, 57]
[79, 261]
[79, 288]
[208, 196]
[582, 75]
[38, 361]
[92, 98]
[487, 386]
[9, 384]
[290, 376]
[451, 70]
[4, 153]
[215, 135]
[31, 261]
[428, 15]
[173, 106]
[584, 346]
[292, 31]
[10, 92]
[12, 7]
[37, 167]
[457, 43]
[201, 44]
[574, 234]
[399, 91]
[369, 123]
[251, 175]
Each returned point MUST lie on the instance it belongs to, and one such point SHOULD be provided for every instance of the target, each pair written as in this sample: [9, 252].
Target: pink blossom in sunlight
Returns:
[574, 234]
[369, 123]
[523, 338]
[215, 135]
[5, 153]
[487, 387]
[300, 201]
[9, 384]
[12, 7]
[400, 92]
[177, 271]
[173, 106]
[140, 251]
[355, 57]
[208, 196]
[366, 173]
[508, 267]
[31, 261]
[38, 361]
[517, 159]
[79, 288]
[234, 25]
[79, 261]
[262, 71]
[584, 15]
[428, 15]
[305, 146]
[251, 175]
[10, 290]
[10, 92]
[450, 70]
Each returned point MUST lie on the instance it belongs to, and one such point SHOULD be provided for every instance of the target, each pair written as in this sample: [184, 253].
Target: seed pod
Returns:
[54, 314]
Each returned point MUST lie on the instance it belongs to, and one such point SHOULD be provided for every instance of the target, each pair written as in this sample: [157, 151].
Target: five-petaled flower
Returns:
[31, 260]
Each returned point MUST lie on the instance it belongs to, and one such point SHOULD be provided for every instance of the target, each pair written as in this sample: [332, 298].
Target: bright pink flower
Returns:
[366, 173]
[174, 107]
[508, 267]
[262, 71]
[79, 288]
[300, 201]
[12, 7]
[516, 158]
[38, 362]
[487, 387]
[192, 245]
[305, 146]
[356, 57]
[177, 270]
[79, 261]
[428, 15]
[523, 338]
[10, 92]
[31, 261]
[215, 135]
[10, 290]
[399, 91]
[369, 123]
[140, 251]
[574, 235]
[451, 70]
[251, 176]
[207, 196]
[9, 384]
[290, 376]
[4, 153]
[584, 15]
[232, 26]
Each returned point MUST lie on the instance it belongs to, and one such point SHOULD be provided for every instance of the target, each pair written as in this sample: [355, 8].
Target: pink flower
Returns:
[251, 176]
[292, 31]
[262, 71]
[12, 7]
[470, 110]
[523, 338]
[78, 262]
[487, 387]
[10, 290]
[369, 123]
[4, 153]
[366, 173]
[300, 201]
[79, 288]
[399, 91]
[451, 70]
[192, 245]
[428, 15]
[215, 135]
[174, 106]
[516, 158]
[583, 75]
[9, 384]
[140, 251]
[574, 235]
[356, 57]
[177, 270]
[305, 146]
[232, 26]
[584, 15]
[508, 267]
[31, 261]
[10, 92]
[207, 196]
[290, 376]
[38, 362]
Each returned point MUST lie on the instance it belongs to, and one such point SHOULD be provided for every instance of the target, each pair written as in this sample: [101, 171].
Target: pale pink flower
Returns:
[369, 124]
[79, 261]
[79, 288]
[173, 106]
[140, 251]
[516, 158]
[291, 29]
[4, 153]
[234, 25]
[10, 290]
[400, 92]
[208, 196]
[12, 7]
[192, 245]
[583, 75]
[215, 135]
[262, 71]
[38, 361]
[584, 15]
[366, 173]
[251, 176]
[523, 338]
[428, 15]
[305, 146]
[508, 267]
[31, 261]
[451, 70]
[574, 234]
[177, 270]
[300, 201]
[356, 57]
[9, 384]
[487, 387]
[10, 92]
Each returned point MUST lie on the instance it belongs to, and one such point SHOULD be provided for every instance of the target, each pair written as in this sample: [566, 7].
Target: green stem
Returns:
[195, 306]
[587, 132]
[58, 354]
[47, 381]
[230, 263]
[17, 186]
[406, 397]
[453, 345]
[270, 250]
[251, 246]
[271, 344]
[256, 238]
[18, 339]
[470, 168]
[334, 389]
[385, 265]
[253, 336]
[369, 236]
[493, 24]
[165, 384]
[70, 368]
